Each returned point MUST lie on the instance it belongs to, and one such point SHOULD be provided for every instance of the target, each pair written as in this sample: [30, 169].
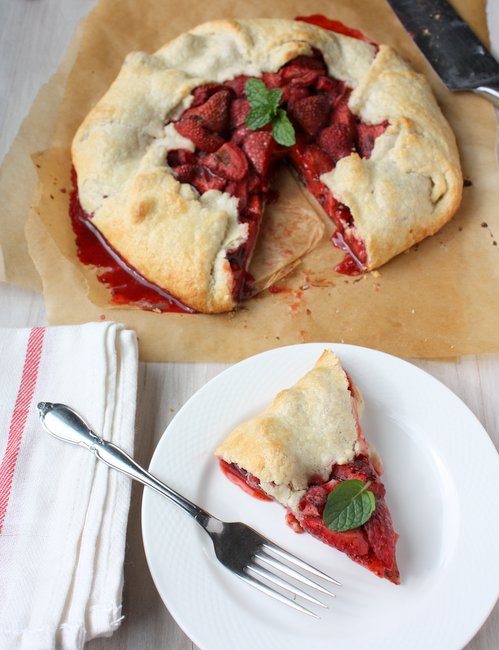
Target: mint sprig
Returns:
[264, 109]
[349, 505]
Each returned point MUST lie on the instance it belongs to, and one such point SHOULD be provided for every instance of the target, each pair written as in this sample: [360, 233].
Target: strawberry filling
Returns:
[372, 545]
[243, 479]
[231, 158]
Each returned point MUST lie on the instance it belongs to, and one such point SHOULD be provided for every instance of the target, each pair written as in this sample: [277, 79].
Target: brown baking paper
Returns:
[439, 299]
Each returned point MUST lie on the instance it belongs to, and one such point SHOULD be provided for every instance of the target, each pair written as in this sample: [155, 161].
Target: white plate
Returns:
[442, 481]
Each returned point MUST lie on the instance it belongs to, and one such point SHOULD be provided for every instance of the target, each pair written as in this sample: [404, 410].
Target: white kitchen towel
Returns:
[63, 514]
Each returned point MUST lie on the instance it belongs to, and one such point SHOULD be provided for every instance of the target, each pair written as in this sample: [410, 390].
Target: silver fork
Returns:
[238, 547]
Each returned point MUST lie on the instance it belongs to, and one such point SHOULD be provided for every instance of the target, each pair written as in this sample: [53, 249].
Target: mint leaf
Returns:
[283, 131]
[264, 108]
[349, 505]
[274, 97]
[256, 92]
[258, 117]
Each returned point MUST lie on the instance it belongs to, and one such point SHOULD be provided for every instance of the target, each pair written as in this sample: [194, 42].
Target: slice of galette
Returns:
[307, 452]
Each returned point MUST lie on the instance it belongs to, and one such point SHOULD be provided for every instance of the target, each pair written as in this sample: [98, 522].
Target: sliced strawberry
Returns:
[310, 62]
[359, 468]
[303, 70]
[337, 141]
[238, 111]
[240, 134]
[366, 136]
[308, 509]
[381, 536]
[202, 93]
[291, 94]
[353, 542]
[312, 504]
[332, 88]
[343, 115]
[328, 85]
[177, 157]
[311, 161]
[299, 75]
[258, 146]
[214, 112]
[238, 84]
[239, 189]
[316, 495]
[311, 113]
[194, 128]
[184, 173]
[228, 162]
[293, 523]
[203, 180]
[271, 79]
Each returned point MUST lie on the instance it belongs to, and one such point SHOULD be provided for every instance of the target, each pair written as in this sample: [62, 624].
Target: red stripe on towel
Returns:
[20, 416]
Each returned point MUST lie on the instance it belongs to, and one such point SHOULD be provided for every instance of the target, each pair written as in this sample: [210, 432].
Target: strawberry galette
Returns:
[175, 163]
[307, 452]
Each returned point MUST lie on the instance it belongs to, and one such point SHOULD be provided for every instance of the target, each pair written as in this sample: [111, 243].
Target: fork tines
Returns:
[257, 570]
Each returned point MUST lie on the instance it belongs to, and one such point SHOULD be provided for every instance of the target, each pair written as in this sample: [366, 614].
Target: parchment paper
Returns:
[439, 299]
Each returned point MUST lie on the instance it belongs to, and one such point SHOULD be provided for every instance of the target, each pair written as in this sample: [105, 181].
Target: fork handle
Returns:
[66, 424]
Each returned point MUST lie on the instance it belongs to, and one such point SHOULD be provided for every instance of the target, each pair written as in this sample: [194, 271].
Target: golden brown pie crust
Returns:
[306, 430]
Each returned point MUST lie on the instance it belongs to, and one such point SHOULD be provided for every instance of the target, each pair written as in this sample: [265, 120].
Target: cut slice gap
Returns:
[290, 229]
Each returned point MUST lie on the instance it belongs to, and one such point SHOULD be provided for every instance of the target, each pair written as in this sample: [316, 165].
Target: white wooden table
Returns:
[33, 37]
